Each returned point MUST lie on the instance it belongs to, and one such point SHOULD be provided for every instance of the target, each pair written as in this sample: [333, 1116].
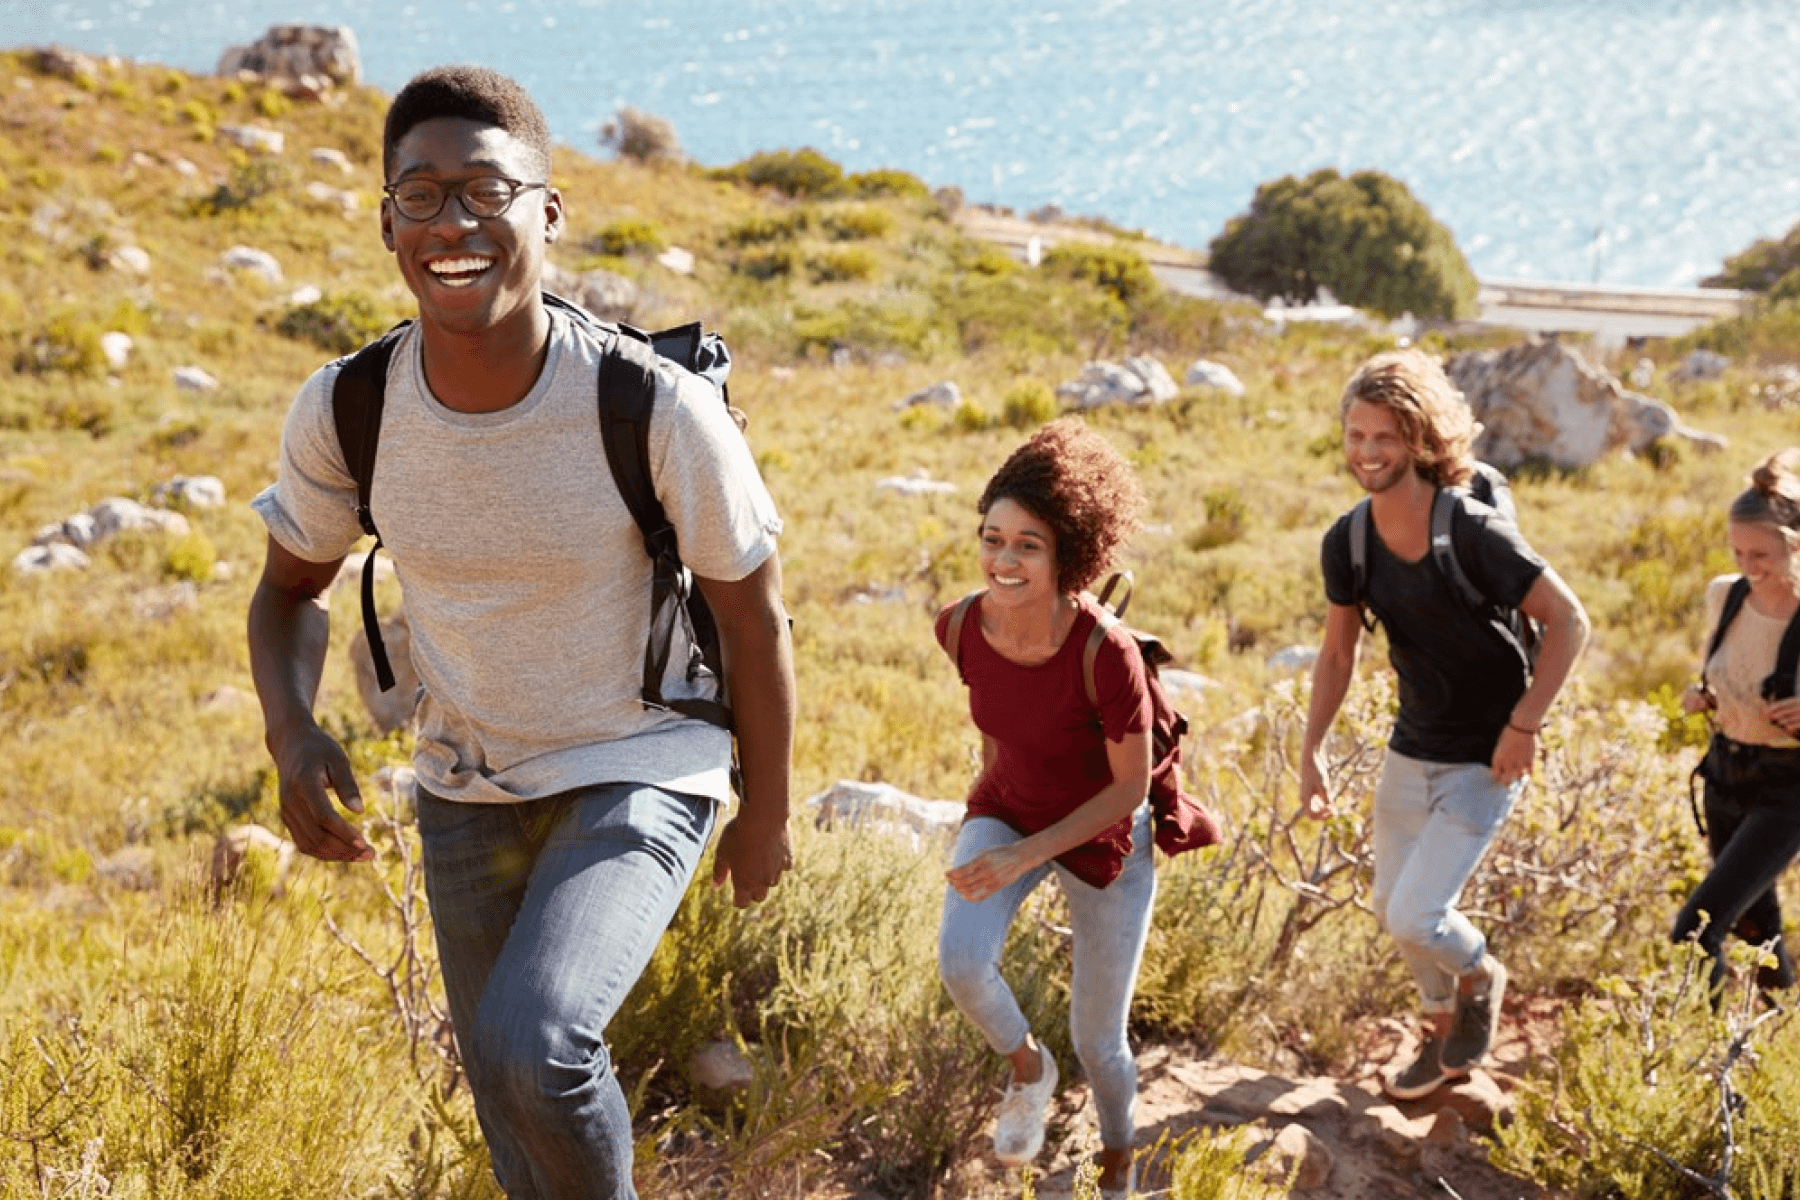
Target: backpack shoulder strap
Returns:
[627, 395]
[1090, 653]
[1360, 533]
[1734, 602]
[953, 632]
[358, 395]
[1443, 548]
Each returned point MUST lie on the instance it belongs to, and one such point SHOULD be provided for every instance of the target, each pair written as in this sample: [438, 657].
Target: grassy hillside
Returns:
[286, 1041]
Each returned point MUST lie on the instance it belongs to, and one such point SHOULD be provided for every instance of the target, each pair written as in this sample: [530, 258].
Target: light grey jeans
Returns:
[1110, 925]
[1433, 824]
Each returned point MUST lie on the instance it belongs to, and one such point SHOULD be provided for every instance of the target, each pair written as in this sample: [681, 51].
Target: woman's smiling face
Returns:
[1762, 554]
[1018, 554]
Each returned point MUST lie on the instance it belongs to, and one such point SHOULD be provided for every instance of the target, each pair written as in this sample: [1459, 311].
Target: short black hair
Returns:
[473, 94]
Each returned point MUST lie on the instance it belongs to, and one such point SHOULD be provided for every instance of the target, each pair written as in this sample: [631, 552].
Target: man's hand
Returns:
[754, 859]
[309, 764]
[1513, 755]
[1315, 785]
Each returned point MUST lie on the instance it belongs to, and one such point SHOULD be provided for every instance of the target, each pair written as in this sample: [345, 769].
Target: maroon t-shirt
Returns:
[1050, 742]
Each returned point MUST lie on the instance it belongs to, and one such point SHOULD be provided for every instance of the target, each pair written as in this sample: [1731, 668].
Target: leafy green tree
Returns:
[1366, 238]
[1768, 266]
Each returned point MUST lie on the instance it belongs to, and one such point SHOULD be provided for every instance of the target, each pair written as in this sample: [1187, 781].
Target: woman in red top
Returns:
[1063, 783]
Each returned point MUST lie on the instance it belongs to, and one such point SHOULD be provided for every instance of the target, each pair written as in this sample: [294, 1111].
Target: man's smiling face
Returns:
[470, 274]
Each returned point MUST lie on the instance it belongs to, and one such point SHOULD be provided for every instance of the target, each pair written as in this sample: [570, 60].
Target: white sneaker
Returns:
[1019, 1129]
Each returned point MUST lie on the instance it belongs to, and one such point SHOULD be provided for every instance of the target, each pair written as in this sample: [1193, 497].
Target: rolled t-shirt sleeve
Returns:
[1500, 562]
[707, 480]
[311, 507]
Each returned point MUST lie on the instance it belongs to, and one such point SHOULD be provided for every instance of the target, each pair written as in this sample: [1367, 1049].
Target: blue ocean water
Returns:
[1623, 141]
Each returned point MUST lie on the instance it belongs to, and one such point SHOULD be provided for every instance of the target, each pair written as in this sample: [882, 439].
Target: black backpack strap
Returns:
[627, 398]
[1734, 603]
[1787, 661]
[357, 397]
[1443, 549]
[1360, 533]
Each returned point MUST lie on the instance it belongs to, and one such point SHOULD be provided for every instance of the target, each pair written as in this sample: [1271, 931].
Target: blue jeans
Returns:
[1110, 925]
[1433, 824]
[546, 913]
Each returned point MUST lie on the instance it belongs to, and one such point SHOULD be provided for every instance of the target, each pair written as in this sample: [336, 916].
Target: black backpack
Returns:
[627, 394]
[1180, 821]
[1488, 486]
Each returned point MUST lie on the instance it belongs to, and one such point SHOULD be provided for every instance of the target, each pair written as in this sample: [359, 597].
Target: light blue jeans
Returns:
[1110, 925]
[1433, 824]
[546, 913]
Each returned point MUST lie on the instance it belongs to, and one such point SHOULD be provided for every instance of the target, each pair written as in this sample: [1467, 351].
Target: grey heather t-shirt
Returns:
[527, 587]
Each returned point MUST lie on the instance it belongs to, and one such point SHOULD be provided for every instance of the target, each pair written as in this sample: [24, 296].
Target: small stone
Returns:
[1217, 376]
[677, 260]
[919, 483]
[1480, 1101]
[236, 844]
[1291, 660]
[117, 348]
[225, 699]
[329, 156]
[194, 379]
[195, 491]
[721, 1066]
[133, 260]
[256, 262]
[132, 868]
[57, 556]
[942, 395]
[161, 603]
[1298, 1153]
[249, 137]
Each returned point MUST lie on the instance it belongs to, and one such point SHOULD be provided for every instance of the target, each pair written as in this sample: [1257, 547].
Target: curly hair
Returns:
[1434, 419]
[1071, 479]
[472, 94]
[1773, 496]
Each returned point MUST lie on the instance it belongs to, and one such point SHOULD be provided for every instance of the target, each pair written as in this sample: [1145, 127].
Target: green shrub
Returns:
[803, 172]
[250, 182]
[628, 236]
[885, 181]
[337, 321]
[857, 224]
[1763, 266]
[849, 264]
[1028, 404]
[642, 137]
[190, 558]
[778, 262]
[970, 417]
[1121, 272]
[66, 344]
[1226, 516]
[1367, 238]
[762, 229]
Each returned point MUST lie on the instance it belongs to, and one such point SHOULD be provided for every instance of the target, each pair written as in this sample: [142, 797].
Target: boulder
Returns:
[302, 60]
[254, 138]
[1299, 1154]
[344, 200]
[1700, 366]
[118, 515]
[1291, 660]
[79, 531]
[919, 483]
[1138, 380]
[117, 348]
[721, 1067]
[237, 844]
[1480, 1102]
[1216, 376]
[393, 708]
[132, 260]
[677, 260]
[65, 63]
[944, 395]
[194, 379]
[330, 156]
[1539, 399]
[884, 808]
[257, 262]
[55, 556]
[195, 491]
[608, 296]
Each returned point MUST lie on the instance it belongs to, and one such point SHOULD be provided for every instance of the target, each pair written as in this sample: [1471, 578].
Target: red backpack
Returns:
[1182, 822]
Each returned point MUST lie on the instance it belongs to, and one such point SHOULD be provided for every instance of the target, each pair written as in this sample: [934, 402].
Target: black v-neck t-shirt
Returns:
[1459, 678]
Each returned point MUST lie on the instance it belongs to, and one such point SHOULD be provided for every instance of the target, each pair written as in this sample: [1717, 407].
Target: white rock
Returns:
[1209, 374]
[250, 137]
[1643, 373]
[161, 603]
[304, 60]
[884, 808]
[193, 379]
[919, 483]
[117, 348]
[945, 395]
[677, 260]
[1157, 381]
[350, 574]
[721, 1066]
[133, 260]
[118, 515]
[195, 491]
[1293, 659]
[306, 293]
[330, 156]
[78, 531]
[1299, 1153]
[393, 708]
[1540, 399]
[1102, 383]
[56, 556]
[401, 786]
[343, 199]
[256, 262]
[236, 844]
[185, 168]
[1176, 681]
[1700, 366]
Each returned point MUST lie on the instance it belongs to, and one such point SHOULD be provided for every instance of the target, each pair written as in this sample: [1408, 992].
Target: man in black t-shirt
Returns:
[1470, 711]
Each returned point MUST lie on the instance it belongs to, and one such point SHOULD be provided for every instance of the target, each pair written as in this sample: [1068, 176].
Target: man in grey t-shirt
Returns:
[561, 818]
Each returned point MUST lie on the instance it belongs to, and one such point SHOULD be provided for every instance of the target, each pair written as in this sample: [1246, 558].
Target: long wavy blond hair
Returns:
[1434, 419]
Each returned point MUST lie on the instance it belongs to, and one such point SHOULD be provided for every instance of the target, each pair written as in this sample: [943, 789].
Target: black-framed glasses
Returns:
[484, 196]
